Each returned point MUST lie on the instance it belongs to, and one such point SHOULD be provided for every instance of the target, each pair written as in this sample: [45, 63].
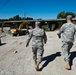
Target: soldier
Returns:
[39, 38]
[68, 31]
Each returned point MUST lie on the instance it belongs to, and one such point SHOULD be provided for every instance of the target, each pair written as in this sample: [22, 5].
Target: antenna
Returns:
[24, 14]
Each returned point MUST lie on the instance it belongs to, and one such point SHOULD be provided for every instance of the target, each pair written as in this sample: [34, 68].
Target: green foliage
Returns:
[61, 15]
[28, 18]
[70, 13]
[60, 24]
[39, 19]
[64, 14]
[17, 17]
[53, 26]
[45, 27]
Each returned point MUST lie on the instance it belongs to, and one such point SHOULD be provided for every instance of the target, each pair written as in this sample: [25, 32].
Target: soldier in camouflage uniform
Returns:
[39, 38]
[68, 31]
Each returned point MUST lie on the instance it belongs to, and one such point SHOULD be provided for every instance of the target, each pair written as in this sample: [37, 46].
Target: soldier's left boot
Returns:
[67, 67]
[37, 67]
[35, 62]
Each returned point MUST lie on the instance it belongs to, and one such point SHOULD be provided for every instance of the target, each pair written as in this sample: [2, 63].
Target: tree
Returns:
[10, 19]
[64, 14]
[61, 15]
[15, 18]
[39, 19]
[28, 18]
[70, 13]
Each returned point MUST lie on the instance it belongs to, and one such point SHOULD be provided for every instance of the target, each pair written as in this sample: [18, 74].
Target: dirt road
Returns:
[16, 59]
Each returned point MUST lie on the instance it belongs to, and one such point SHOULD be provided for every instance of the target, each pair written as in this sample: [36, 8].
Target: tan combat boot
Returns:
[67, 66]
[37, 67]
[35, 62]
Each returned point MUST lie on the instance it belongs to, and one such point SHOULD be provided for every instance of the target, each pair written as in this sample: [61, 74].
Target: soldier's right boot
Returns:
[67, 67]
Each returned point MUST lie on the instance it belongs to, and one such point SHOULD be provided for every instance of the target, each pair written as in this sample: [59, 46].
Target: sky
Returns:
[45, 9]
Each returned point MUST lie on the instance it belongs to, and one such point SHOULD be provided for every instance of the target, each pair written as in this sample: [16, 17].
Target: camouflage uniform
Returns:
[39, 37]
[68, 31]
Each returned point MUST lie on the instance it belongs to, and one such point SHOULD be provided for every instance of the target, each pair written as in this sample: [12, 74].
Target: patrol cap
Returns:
[69, 17]
[37, 23]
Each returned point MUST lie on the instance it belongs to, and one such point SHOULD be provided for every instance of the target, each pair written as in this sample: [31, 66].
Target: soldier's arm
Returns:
[29, 38]
[75, 30]
[60, 31]
[45, 37]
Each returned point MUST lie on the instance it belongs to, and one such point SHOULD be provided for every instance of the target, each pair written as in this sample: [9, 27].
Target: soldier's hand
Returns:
[45, 42]
[27, 45]
[59, 35]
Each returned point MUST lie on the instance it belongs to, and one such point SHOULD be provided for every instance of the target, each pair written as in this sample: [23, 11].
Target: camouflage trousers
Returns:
[66, 46]
[37, 53]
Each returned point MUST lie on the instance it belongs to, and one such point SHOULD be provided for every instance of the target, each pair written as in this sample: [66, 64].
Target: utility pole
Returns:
[24, 15]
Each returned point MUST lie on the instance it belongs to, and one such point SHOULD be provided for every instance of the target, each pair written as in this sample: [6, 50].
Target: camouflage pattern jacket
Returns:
[39, 37]
[68, 30]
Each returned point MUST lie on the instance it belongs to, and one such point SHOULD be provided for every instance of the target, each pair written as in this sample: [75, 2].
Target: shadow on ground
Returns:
[72, 56]
[2, 44]
[49, 59]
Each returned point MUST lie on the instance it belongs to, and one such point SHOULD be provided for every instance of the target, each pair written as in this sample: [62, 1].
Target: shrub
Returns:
[45, 27]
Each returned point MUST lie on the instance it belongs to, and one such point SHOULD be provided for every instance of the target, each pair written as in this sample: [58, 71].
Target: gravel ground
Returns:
[16, 59]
